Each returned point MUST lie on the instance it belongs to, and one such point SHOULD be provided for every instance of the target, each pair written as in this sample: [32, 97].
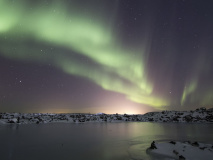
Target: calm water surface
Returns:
[93, 141]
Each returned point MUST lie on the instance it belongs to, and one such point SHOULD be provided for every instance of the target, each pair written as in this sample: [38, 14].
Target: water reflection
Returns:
[105, 141]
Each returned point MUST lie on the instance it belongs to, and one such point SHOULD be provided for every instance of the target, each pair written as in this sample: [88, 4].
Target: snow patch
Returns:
[182, 150]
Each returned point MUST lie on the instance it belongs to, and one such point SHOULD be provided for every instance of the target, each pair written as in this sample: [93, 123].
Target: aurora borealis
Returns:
[111, 56]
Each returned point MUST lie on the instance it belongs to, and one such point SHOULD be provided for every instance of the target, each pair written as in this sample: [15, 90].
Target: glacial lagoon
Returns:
[94, 141]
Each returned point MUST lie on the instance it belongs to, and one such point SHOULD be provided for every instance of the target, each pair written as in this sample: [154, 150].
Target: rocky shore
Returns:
[201, 115]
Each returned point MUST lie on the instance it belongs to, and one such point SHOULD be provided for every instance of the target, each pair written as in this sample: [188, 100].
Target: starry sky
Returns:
[111, 56]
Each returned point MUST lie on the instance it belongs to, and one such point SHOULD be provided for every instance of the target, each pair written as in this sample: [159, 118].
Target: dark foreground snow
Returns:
[201, 115]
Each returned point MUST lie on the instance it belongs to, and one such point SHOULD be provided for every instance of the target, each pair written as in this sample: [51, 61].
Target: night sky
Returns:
[111, 56]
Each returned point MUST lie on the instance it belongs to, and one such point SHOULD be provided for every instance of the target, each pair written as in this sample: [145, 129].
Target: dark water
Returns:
[93, 141]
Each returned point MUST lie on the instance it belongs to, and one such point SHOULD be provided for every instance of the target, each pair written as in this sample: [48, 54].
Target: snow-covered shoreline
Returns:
[181, 150]
[201, 115]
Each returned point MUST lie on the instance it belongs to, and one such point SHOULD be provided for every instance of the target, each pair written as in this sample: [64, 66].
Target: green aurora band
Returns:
[119, 71]
[188, 90]
[193, 92]
[115, 68]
